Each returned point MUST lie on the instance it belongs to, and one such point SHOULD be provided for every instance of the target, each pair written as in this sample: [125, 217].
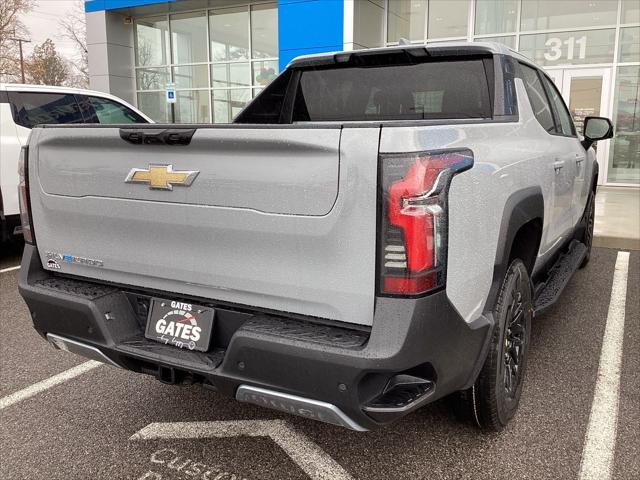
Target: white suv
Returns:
[24, 106]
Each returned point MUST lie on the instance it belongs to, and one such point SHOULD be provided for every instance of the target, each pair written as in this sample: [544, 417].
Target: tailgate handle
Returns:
[171, 136]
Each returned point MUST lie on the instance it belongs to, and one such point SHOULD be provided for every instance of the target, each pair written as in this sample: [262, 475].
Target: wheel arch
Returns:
[520, 235]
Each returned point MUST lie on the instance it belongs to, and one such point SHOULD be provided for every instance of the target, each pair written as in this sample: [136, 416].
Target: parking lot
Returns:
[99, 422]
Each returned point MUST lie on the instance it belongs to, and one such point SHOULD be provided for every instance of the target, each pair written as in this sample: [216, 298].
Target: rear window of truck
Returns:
[432, 89]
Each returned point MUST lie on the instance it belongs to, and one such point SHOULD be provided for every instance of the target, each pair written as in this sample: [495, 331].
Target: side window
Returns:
[88, 113]
[538, 98]
[31, 108]
[110, 112]
[566, 123]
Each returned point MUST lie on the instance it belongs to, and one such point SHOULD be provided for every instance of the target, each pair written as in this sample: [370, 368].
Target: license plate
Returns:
[183, 325]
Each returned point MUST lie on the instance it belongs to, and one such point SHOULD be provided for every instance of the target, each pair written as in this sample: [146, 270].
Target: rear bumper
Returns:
[328, 372]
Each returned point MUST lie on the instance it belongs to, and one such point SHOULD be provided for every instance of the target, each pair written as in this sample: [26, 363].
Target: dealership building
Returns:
[218, 54]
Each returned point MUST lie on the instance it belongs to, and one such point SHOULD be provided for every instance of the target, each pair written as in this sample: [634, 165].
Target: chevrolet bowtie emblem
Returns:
[162, 177]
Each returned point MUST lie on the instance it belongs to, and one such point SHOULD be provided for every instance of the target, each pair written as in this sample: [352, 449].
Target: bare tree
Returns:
[45, 66]
[11, 28]
[74, 28]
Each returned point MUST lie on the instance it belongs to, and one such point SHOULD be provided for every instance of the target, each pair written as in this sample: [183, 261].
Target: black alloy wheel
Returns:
[493, 399]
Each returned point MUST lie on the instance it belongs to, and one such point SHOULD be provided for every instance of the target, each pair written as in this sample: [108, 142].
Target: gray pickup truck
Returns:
[375, 231]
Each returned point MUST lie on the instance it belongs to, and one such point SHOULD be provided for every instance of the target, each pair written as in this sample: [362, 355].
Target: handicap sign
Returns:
[171, 93]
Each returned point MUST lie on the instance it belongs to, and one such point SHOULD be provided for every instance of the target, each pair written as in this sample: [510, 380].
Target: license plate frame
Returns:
[180, 324]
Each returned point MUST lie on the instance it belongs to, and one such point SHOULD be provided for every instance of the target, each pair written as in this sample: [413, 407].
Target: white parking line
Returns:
[314, 461]
[48, 383]
[10, 269]
[600, 441]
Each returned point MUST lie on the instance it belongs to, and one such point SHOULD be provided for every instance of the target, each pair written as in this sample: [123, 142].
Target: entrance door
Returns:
[586, 93]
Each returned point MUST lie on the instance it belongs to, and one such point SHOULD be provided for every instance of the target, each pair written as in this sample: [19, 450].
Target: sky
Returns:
[42, 23]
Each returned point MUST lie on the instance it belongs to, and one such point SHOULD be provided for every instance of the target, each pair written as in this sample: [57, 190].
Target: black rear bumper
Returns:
[342, 365]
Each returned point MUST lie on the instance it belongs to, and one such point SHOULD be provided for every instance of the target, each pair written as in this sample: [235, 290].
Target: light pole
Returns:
[20, 41]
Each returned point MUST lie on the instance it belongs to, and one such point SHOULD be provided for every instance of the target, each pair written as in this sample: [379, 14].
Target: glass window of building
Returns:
[629, 44]
[561, 14]
[368, 26]
[154, 105]
[264, 72]
[568, 48]
[406, 19]
[217, 59]
[191, 76]
[152, 41]
[152, 78]
[189, 37]
[228, 103]
[264, 32]
[229, 29]
[630, 11]
[448, 18]
[624, 154]
[230, 75]
[192, 106]
[244, 50]
[509, 40]
[496, 16]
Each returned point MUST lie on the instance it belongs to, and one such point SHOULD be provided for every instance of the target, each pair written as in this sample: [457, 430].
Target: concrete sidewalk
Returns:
[617, 223]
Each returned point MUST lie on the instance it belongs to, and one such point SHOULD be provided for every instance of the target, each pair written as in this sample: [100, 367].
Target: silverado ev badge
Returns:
[161, 177]
[54, 259]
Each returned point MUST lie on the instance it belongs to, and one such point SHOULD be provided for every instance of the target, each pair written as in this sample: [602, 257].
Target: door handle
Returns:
[557, 166]
[579, 160]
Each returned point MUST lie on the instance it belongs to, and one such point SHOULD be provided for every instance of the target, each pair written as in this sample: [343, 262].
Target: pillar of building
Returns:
[111, 54]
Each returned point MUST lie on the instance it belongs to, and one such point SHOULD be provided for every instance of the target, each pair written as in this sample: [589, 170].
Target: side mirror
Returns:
[596, 128]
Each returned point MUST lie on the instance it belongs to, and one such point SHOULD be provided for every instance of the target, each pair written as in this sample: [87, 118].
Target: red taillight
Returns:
[23, 196]
[414, 219]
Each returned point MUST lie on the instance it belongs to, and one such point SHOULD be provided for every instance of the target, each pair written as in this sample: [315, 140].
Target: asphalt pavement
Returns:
[87, 427]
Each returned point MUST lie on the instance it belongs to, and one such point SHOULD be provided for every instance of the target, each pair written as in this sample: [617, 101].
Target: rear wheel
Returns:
[588, 221]
[494, 397]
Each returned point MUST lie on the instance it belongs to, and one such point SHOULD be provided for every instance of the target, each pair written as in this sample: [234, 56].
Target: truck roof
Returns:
[26, 87]
[440, 48]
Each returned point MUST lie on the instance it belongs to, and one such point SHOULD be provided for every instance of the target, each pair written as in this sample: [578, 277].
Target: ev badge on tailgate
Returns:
[161, 177]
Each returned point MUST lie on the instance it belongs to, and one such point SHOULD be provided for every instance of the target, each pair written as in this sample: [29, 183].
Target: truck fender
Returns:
[520, 208]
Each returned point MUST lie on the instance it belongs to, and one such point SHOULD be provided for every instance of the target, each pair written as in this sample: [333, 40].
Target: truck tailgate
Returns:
[278, 218]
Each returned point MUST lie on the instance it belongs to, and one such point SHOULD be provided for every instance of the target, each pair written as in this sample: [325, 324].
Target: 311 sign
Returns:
[567, 48]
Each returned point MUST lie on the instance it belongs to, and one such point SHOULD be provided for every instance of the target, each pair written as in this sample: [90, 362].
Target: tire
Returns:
[494, 397]
[588, 221]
